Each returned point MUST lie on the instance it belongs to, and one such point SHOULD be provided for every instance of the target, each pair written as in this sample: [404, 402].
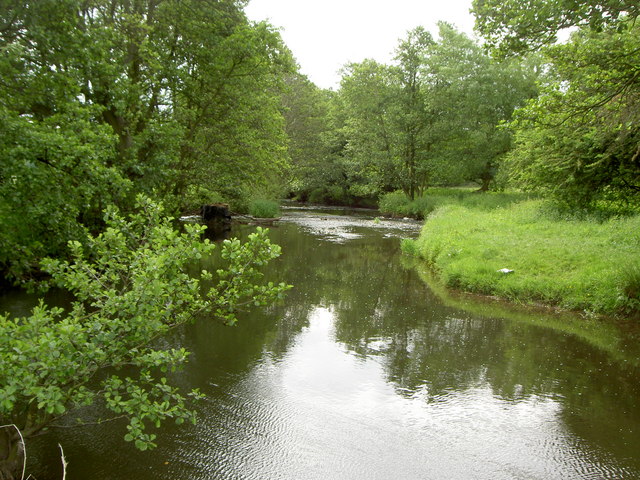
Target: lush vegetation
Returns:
[261, 208]
[576, 143]
[579, 141]
[398, 204]
[102, 100]
[578, 264]
[431, 118]
[555, 119]
[131, 284]
[115, 106]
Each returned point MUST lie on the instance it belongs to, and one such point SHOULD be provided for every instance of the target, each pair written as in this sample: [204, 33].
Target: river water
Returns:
[364, 372]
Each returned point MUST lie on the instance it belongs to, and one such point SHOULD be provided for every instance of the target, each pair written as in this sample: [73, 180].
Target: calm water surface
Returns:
[363, 373]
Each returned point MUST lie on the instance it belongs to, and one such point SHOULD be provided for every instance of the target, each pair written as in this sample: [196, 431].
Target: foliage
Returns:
[397, 203]
[262, 208]
[575, 264]
[518, 26]
[307, 117]
[102, 100]
[131, 286]
[475, 96]
[580, 140]
[433, 117]
[629, 287]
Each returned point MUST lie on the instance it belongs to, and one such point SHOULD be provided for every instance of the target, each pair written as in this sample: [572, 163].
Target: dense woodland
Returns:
[117, 106]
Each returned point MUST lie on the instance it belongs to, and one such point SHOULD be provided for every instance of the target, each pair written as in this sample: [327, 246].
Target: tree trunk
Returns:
[11, 453]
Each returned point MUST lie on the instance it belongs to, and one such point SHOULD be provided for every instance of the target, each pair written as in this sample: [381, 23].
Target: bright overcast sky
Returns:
[325, 35]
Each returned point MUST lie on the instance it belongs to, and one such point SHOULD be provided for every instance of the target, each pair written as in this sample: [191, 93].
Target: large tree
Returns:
[433, 117]
[474, 95]
[107, 98]
[579, 140]
[388, 115]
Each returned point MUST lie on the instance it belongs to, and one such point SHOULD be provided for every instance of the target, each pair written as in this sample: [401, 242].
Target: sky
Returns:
[325, 35]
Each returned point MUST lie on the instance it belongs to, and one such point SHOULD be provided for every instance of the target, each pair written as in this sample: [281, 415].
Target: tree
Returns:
[434, 117]
[366, 93]
[306, 111]
[474, 94]
[518, 26]
[131, 285]
[388, 116]
[580, 139]
[414, 114]
[102, 100]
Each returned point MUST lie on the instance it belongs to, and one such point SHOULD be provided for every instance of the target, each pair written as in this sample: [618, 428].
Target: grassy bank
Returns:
[575, 264]
[398, 204]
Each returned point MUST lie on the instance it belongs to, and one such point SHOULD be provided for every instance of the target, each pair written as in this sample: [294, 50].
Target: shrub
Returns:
[630, 287]
[264, 208]
[409, 247]
[196, 196]
[393, 203]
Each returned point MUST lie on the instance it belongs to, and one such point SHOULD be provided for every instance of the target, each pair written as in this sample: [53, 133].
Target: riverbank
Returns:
[573, 264]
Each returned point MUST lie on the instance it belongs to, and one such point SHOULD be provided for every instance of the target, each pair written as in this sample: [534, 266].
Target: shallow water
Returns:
[364, 373]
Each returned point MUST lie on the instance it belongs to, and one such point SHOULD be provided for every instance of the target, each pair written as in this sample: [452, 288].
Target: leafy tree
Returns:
[388, 116]
[414, 113]
[580, 140]
[366, 93]
[434, 117]
[474, 94]
[131, 285]
[518, 26]
[306, 110]
[105, 99]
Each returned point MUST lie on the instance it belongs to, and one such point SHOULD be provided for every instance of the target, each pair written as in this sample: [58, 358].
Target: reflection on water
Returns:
[364, 373]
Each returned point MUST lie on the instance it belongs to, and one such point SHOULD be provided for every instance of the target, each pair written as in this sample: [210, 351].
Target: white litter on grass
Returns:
[505, 270]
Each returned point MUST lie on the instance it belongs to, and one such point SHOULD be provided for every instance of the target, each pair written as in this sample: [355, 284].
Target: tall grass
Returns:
[398, 204]
[262, 208]
[576, 264]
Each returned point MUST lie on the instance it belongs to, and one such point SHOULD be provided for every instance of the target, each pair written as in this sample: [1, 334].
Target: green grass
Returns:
[398, 204]
[261, 208]
[576, 264]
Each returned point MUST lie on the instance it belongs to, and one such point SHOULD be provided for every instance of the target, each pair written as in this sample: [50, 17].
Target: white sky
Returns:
[324, 35]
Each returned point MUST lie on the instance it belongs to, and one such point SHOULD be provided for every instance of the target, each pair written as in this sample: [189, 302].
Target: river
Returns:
[364, 372]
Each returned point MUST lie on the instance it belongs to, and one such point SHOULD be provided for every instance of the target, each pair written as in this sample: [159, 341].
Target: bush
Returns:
[394, 203]
[264, 208]
[317, 195]
[630, 288]
[196, 196]
[131, 285]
